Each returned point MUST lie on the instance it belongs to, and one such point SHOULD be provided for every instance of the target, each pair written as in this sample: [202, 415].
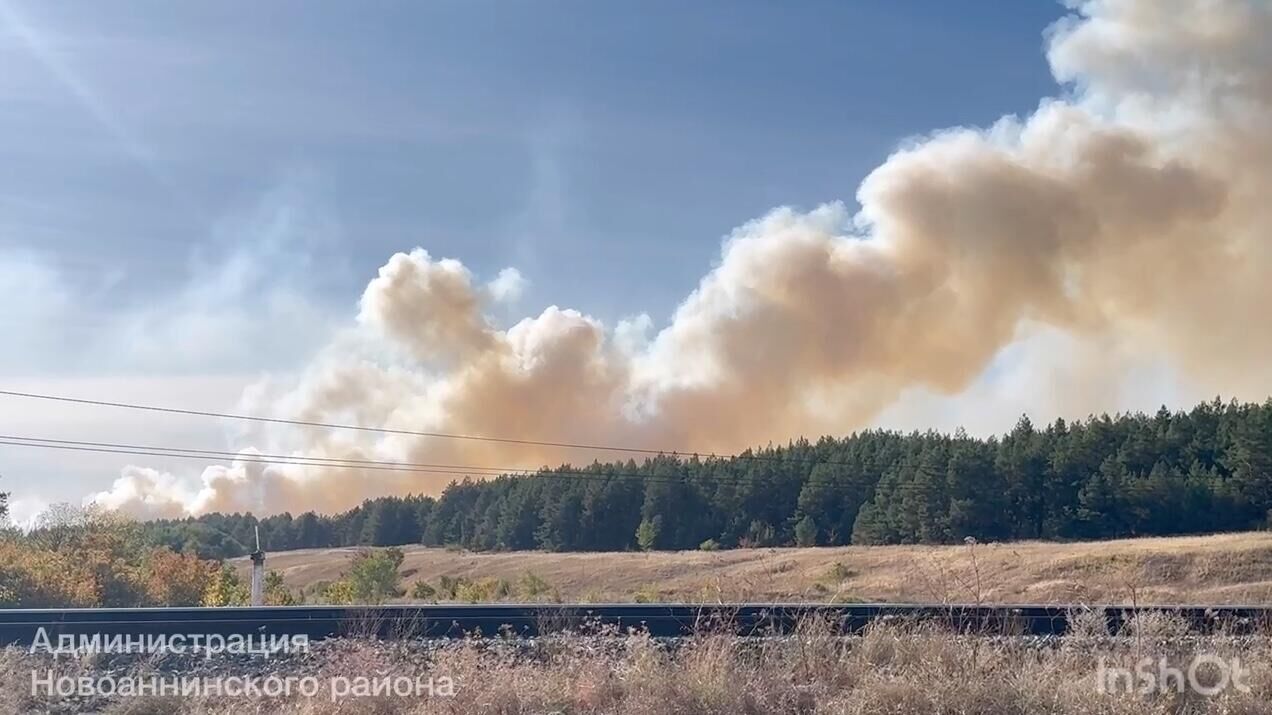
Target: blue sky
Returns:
[252, 164]
[602, 148]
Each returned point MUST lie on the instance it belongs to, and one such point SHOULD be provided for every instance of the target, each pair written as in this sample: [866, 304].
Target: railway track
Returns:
[20, 627]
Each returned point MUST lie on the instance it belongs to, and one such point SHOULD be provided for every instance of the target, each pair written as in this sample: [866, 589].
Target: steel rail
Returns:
[20, 626]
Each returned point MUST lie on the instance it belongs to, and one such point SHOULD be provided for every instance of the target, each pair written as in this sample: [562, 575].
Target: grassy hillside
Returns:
[1228, 568]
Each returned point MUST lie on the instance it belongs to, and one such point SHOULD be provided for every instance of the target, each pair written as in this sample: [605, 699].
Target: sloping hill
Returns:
[1228, 568]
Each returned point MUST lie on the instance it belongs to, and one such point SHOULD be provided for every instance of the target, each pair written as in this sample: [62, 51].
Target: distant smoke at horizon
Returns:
[1124, 224]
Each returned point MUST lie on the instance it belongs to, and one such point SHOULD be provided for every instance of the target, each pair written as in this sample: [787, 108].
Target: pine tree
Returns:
[374, 525]
[1250, 460]
[1024, 469]
[806, 532]
[307, 531]
[871, 527]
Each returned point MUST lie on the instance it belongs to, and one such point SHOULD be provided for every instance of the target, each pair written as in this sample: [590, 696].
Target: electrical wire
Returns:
[415, 433]
[456, 470]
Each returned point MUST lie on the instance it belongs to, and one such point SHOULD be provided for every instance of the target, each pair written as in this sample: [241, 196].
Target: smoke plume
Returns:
[1131, 214]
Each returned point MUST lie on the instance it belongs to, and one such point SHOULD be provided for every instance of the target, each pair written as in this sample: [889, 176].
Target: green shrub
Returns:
[531, 585]
[647, 533]
[839, 572]
[374, 576]
[647, 594]
[340, 593]
[448, 586]
[483, 591]
[277, 593]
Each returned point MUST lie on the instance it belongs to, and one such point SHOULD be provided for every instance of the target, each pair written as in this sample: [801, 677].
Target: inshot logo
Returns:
[1205, 674]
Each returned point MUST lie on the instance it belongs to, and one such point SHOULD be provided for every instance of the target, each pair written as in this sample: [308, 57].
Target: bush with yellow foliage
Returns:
[86, 557]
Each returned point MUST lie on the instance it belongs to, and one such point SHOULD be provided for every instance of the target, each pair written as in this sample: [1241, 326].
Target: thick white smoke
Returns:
[1130, 216]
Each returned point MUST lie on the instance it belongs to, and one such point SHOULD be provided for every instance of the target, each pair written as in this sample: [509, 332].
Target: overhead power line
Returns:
[455, 470]
[414, 433]
[227, 454]
[330, 425]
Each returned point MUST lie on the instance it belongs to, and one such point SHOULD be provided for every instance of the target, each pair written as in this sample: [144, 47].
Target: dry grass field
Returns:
[1220, 569]
[895, 669]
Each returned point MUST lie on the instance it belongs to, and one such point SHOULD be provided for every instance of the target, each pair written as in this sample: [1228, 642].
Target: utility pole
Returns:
[258, 572]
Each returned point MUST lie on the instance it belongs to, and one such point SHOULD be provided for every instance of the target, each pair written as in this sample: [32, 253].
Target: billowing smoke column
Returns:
[1134, 212]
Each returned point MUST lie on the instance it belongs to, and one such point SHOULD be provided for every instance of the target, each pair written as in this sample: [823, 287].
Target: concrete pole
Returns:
[258, 572]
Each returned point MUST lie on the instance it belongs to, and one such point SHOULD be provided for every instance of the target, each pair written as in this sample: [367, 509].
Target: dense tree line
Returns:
[389, 521]
[1207, 469]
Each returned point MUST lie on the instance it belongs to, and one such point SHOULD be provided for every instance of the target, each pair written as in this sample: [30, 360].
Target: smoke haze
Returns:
[1125, 222]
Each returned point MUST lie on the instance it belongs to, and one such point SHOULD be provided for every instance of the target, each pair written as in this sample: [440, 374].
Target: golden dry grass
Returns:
[1221, 569]
[898, 669]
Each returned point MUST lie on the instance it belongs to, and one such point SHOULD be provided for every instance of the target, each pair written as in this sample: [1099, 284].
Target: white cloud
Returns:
[508, 286]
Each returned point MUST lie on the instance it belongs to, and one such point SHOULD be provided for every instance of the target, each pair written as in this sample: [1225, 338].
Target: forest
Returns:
[1203, 470]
